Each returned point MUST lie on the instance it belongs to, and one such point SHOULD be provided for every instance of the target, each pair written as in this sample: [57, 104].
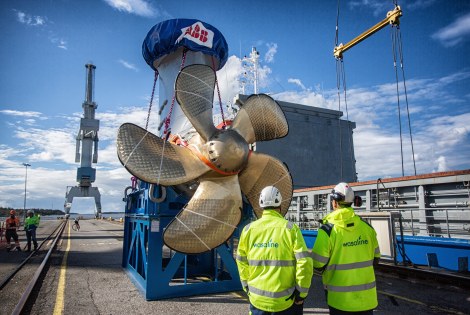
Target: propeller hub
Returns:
[227, 151]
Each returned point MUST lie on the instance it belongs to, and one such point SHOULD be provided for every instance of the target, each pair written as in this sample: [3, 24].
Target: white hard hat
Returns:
[270, 197]
[30, 212]
[342, 193]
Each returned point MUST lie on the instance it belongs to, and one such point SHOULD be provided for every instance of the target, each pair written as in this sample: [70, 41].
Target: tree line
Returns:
[5, 212]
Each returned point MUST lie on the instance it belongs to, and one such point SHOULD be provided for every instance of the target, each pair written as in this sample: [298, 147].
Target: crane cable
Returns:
[397, 44]
[341, 80]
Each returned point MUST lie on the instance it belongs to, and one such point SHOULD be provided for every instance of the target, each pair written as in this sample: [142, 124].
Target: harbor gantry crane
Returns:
[88, 136]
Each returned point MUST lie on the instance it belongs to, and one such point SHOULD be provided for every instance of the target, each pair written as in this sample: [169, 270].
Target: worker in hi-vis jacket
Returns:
[31, 223]
[345, 251]
[273, 261]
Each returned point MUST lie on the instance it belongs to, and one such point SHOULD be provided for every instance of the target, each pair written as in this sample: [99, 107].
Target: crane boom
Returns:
[393, 18]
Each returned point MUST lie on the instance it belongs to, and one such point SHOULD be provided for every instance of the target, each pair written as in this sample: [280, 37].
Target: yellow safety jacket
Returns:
[273, 261]
[345, 249]
[31, 222]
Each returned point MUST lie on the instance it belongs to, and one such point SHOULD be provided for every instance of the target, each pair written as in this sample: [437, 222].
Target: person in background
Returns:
[345, 251]
[31, 223]
[273, 261]
[76, 223]
[11, 225]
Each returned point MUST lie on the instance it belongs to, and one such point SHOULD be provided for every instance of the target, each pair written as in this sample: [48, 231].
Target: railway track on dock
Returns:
[17, 285]
[424, 273]
[415, 282]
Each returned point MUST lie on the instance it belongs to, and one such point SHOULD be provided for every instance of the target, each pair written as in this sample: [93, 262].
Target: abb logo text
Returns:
[198, 34]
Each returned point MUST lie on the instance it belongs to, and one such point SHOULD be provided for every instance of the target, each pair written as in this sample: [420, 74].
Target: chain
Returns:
[218, 92]
[151, 98]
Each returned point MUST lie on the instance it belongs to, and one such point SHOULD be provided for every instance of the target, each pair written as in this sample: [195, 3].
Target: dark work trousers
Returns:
[31, 235]
[334, 311]
[293, 310]
[9, 234]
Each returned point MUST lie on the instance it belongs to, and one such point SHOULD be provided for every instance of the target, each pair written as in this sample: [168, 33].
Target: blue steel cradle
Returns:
[161, 273]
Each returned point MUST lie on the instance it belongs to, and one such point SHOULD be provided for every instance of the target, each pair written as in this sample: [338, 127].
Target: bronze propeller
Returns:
[219, 159]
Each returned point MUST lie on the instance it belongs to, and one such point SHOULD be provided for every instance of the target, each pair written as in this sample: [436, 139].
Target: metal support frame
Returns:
[159, 272]
[82, 192]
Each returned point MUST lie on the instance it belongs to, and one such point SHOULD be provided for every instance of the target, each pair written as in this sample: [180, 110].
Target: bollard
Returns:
[432, 260]
[463, 264]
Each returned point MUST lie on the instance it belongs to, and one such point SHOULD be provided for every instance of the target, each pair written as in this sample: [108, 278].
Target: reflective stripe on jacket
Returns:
[273, 261]
[345, 249]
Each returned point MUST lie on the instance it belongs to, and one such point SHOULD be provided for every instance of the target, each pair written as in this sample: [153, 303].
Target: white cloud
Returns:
[228, 78]
[439, 137]
[272, 50]
[36, 20]
[51, 152]
[29, 19]
[62, 44]
[58, 42]
[20, 113]
[454, 33]
[296, 82]
[264, 77]
[441, 164]
[128, 65]
[137, 7]
[42, 145]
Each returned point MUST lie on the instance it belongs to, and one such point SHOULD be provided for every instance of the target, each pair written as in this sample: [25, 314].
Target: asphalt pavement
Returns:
[85, 277]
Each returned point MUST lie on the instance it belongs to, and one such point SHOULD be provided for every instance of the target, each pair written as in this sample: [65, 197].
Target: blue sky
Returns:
[45, 45]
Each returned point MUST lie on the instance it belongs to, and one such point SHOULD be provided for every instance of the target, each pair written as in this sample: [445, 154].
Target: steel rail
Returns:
[25, 296]
[18, 268]
[439, 275]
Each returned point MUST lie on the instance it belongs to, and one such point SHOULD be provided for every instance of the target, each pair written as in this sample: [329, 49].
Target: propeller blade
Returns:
[155, 160]
[263, 170]
[209, 218]
[194, 88]
[260, 119]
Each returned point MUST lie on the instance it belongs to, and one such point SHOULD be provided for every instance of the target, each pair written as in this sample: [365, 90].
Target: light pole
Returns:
[25, 182]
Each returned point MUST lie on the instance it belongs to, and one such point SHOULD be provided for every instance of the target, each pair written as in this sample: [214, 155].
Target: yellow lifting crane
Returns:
[393, 18]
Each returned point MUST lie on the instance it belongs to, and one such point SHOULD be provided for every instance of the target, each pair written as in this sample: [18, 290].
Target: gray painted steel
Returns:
[434, 204]
[318, 149]
[88, 136]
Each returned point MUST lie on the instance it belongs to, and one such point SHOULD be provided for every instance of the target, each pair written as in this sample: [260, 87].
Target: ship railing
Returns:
[444, 222]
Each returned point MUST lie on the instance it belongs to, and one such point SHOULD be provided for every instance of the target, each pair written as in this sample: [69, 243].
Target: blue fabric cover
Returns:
[167, 36]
